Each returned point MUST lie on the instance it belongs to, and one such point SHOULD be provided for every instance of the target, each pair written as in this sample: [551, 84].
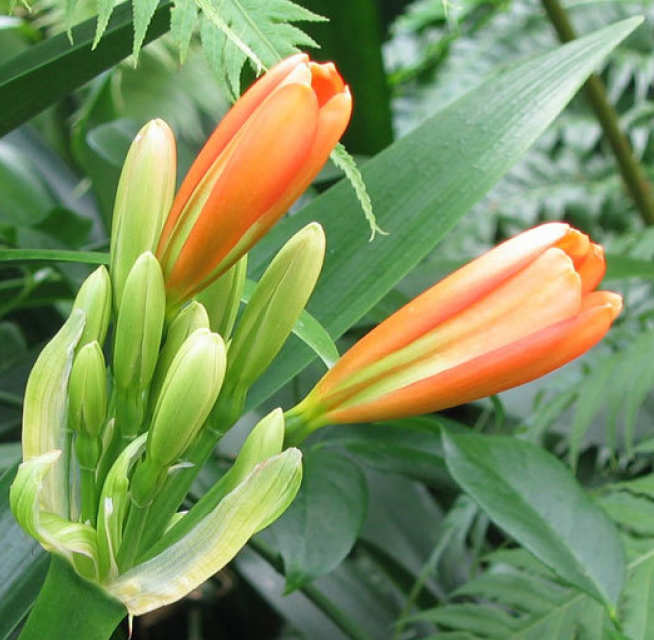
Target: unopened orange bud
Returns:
[258, 161]
[516, 313]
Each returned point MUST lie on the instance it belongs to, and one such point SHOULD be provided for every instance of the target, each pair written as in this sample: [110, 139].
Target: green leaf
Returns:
[143, 13]
[22, 566]
[424, 183]
[258, 30]
[410, 447]
[346, 163]
[54, 255]
[215, 540]
[48, 71]
[621, 267]
[308, 329]
[536, 500]
[183, 17]
[319, 529]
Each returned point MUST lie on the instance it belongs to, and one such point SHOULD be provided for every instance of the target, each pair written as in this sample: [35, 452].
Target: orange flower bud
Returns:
[261, 157]
[515, 313]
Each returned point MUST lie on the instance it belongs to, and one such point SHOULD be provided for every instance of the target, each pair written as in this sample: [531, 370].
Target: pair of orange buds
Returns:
[517, 312]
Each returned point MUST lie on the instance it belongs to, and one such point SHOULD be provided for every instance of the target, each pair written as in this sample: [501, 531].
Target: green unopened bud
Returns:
[192, 317]
[187, 396]
[94, 298]
[140, 324]
[143, 199]
[87, 391]
[263, 442]
[276, 304]
[222, 298]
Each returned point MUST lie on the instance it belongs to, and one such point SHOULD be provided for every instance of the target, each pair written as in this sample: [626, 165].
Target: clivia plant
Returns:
[110, 450]
[186, 326]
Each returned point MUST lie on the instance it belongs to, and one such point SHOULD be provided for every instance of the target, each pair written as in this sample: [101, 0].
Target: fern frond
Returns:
[259, 31]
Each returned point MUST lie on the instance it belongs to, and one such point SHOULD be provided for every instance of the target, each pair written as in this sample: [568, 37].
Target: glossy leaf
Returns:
[536, 500]
[320, 527]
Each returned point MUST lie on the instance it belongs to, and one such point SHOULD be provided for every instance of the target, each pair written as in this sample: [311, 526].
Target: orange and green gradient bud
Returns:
[258, 161]
[517, 312]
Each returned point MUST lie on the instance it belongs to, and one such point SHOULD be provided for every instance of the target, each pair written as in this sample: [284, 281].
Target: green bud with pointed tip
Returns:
[87, 391]
[275, 305]
[140, 324]
[190, 318]
[94, 298]
[187, 396]
[143, 199]
[222, 298]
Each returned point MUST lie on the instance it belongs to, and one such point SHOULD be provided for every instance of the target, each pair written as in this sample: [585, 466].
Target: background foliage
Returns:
[421, 528]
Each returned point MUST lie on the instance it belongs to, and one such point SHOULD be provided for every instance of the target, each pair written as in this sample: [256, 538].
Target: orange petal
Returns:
[592, 268]
[326, 81]
[272, 148]
[544, 293]
[509, 366]
[445, 299]
[242, 110]
[576, 244]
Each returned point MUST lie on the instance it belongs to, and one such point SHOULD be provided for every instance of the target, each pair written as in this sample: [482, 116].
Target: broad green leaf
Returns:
[621, 267]
[55, 255]
[536, 500]
[25, 199]
[411, 447]
[319, 529]
[23, 564]
[424, 183]
[308, 329]
[46, 72]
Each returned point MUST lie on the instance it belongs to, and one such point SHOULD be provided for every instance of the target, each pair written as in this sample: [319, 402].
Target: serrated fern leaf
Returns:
[510, 602]
[345, 162]
[631, 505]
[183, 17]
[260, 31]
[143, 10]
[105, 9]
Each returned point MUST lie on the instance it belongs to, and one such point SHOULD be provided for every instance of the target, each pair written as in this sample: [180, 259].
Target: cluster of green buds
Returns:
[115, 431]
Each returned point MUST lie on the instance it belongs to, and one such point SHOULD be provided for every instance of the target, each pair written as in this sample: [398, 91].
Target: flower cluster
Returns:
[112, 444]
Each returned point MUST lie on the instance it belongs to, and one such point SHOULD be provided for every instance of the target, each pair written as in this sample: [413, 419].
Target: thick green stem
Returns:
[70, 607]
[632, 173]
[89, 495]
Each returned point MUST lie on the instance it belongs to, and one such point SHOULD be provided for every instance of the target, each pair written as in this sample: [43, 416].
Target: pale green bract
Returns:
[215, 540]
[258, 500]
[56, 534]
[45, 410]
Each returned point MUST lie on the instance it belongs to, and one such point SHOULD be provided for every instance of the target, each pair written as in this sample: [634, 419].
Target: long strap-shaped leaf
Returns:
[424, 183]
[48, 71]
